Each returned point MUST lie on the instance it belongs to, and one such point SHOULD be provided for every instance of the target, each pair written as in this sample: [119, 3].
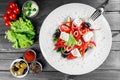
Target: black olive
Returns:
[25, 70]
[86, 50]
[15, 68]
[21, 62]
[65, 54]
[57, 33]
[87, 24]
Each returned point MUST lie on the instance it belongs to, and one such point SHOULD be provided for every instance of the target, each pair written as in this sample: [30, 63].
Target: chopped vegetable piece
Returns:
[21, 33]
[71, 41]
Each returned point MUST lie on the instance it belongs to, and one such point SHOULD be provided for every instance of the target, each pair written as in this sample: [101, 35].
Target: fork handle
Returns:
[104, 4]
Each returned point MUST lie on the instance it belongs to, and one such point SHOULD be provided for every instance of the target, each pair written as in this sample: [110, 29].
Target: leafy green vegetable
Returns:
[21, 33]
[34, 9]
[90, 47]
[71, 41]
[28, 4]
[55, 39]
[60, 50]
[11, 36]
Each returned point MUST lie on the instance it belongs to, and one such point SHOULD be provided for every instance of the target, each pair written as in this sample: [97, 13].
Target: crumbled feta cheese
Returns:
[77, 22]
[87, 36]
[64, 36]
[75, 52]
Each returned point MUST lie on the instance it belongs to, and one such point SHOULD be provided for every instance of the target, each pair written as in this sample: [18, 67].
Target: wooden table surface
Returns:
[109, 70]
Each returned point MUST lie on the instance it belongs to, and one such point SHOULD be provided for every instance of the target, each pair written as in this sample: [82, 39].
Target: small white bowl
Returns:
[33, 52]
[18, 60]
[35, 5]
[38, 64]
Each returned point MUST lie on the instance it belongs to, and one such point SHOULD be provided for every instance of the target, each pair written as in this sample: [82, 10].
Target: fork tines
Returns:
[95, 15]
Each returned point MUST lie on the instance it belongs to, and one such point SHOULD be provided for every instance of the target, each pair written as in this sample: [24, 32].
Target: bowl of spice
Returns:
[19, 68]
[30, 8]
[29, 55]
[35, 67]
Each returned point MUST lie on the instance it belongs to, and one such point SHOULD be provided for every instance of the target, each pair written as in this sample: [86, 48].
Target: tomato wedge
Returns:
[70, 56]
[64, 28]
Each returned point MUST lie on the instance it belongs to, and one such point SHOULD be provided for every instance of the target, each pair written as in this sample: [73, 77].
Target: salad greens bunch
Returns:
[21, 33]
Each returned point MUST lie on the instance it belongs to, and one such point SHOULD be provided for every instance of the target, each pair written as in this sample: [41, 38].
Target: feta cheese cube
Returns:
[87, 36]
[77, 22]
[64, 36]
[75, 52]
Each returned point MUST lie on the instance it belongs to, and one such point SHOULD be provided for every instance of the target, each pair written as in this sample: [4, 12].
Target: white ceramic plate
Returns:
[93, 58]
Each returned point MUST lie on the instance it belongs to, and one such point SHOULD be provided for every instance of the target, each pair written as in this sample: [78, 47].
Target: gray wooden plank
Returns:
[113, 19]
[116, 35]
[95, 75]
[114, 5]
[42, 76]
[98, 75]
[112, 62]
[115, 46]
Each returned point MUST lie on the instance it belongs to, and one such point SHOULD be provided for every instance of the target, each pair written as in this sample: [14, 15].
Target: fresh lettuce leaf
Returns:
[21, 33]
[11, 36]
[71, 41]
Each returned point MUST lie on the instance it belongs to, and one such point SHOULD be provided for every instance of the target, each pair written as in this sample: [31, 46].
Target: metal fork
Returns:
[99, 11]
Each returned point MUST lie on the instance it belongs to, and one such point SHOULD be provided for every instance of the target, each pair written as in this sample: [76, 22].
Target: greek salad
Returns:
[73, 38]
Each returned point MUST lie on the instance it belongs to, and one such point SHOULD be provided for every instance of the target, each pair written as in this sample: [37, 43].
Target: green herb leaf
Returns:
[90, 47]
[28, 4]
[55, 39]
[29, 13]
[34, 9]
[71, 41]
[61, 50]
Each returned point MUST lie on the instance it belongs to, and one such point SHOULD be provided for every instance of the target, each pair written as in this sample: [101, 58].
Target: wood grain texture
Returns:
[109, 70]
[95, 75]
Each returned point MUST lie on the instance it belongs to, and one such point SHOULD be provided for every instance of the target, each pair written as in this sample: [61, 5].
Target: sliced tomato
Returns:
[83, 52]
[60, 43]
[64, 28]
[74, 27]
[85, 30]
[82, 24]
[92, 43]
[70, 56]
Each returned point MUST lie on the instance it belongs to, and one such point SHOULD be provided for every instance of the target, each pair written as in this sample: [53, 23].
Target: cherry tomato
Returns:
[16, 10]
[12, 5]
[12, 16]
[6, 17]
[64, 28]
[8, 11]
[7, 23]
